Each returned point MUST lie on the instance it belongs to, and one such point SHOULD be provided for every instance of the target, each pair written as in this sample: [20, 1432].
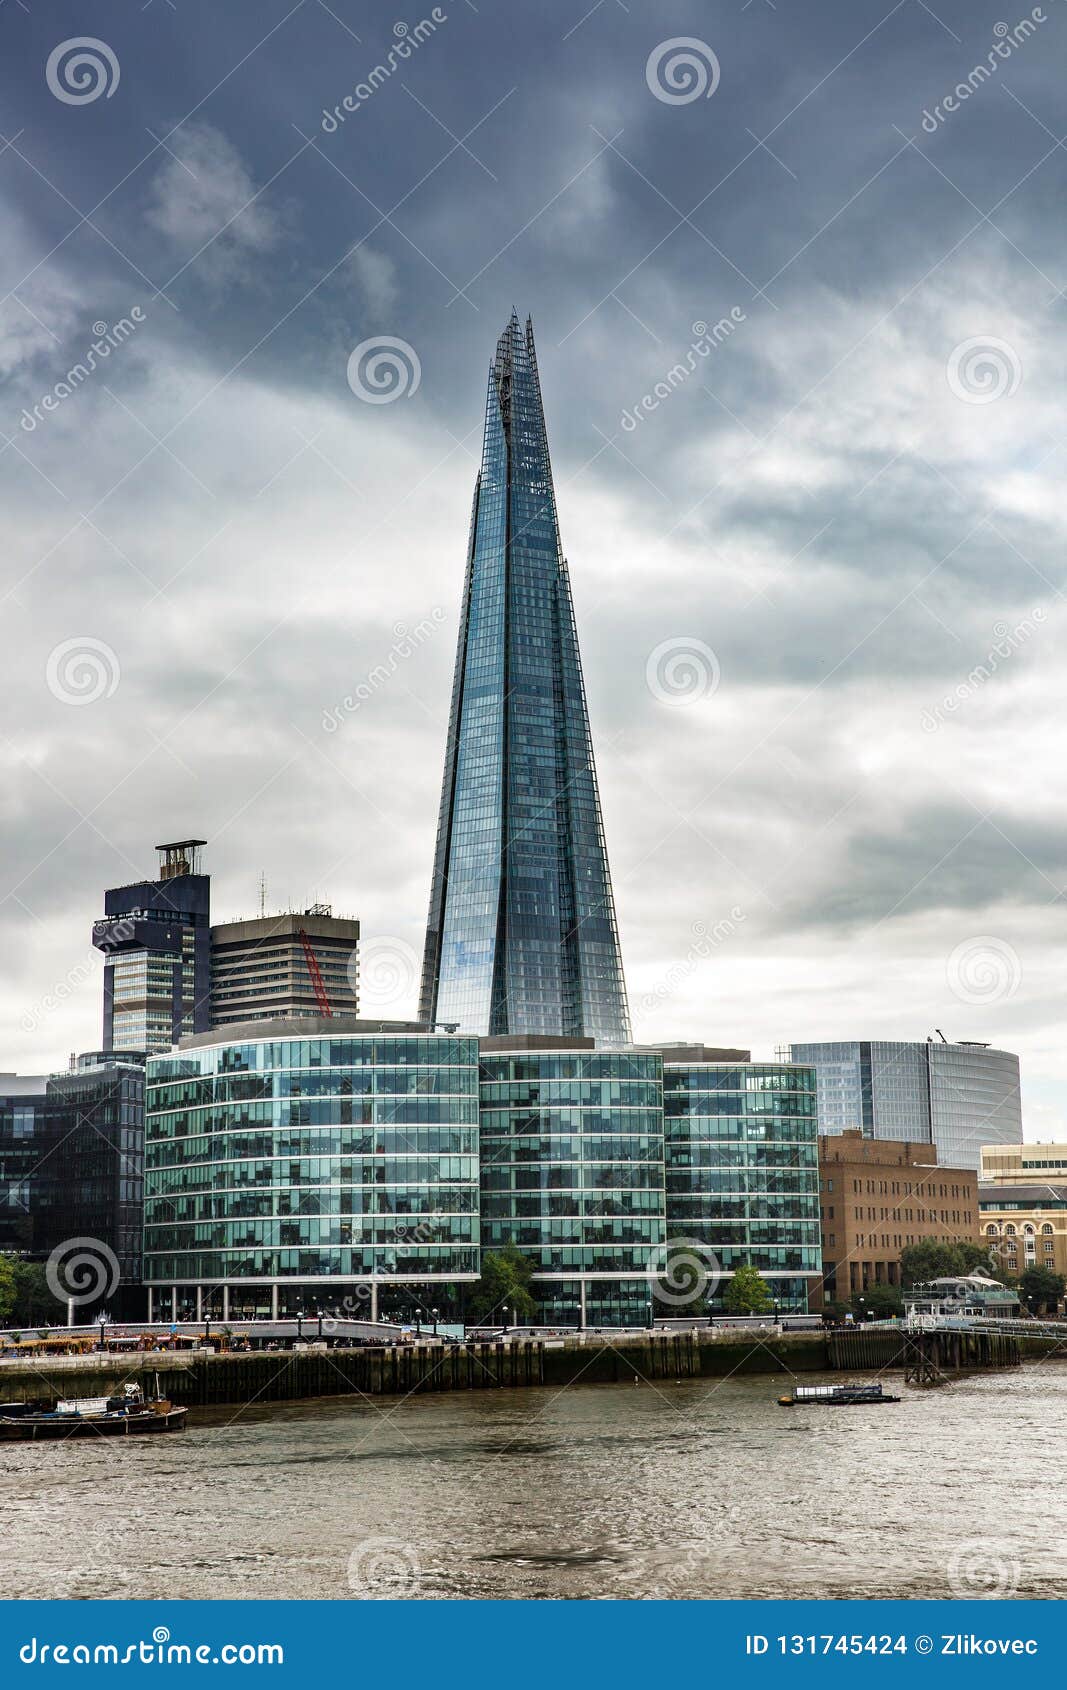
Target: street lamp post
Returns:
[103, 1330]
[435, 1313]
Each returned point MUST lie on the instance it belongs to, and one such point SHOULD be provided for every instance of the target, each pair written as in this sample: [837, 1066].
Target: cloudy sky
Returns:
[817, 569]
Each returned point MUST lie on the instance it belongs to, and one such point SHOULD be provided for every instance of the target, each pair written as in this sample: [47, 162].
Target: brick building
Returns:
[876, 1196]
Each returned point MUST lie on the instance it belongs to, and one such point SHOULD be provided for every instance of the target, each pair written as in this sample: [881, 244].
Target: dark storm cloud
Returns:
[824, 500]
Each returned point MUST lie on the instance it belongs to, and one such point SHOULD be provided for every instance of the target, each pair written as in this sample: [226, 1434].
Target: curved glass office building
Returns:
[572, 1173]
[312, 1164]
[742, 1173]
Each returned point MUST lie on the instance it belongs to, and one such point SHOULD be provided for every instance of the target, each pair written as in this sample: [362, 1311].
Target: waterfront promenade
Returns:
[204, 1377]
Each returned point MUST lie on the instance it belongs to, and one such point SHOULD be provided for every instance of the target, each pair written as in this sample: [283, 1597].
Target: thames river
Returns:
[700, 1489]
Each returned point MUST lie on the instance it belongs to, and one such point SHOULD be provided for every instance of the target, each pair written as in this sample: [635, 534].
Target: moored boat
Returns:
[835, 1396]
[114, 1416]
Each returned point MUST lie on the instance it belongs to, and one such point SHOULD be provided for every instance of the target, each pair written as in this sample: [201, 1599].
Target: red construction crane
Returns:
[316, 975]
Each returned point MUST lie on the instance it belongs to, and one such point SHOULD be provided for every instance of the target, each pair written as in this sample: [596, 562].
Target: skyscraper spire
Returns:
[521, 936]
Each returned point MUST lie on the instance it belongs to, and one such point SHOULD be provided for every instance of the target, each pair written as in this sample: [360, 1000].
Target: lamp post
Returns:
[299, 1324]
[435, 1313]
[103, 1330]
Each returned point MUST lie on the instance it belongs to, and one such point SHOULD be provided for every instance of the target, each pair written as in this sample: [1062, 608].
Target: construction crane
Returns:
[316, 975]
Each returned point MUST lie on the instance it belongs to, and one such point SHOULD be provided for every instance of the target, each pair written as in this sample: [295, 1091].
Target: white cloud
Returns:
[376, 274]
[205, 197]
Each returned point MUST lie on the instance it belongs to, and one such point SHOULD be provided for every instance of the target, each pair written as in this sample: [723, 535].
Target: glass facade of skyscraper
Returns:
[955, 1096]
[521, 936]
[572, 1173]
[301, 1163]
[742, 1176]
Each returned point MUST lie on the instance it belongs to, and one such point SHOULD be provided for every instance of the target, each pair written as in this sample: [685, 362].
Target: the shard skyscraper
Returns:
[521, 936]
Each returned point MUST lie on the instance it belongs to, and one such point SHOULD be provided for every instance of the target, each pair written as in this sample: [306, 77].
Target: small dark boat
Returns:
[835, 1396]
[115, 1416]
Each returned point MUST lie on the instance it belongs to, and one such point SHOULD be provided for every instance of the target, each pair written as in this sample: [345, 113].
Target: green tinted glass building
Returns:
[297, 1165]
[572, 1173]
[742, 1179]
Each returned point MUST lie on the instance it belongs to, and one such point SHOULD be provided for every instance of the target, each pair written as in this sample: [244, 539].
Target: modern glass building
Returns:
[742, 1170]
[71, 1169]
[572, 1173]
[156, 940]
[521, 936]
[956, 1097]
[312, 1164]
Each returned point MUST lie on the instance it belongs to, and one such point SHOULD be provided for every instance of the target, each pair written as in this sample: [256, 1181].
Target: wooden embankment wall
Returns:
[202, 1380]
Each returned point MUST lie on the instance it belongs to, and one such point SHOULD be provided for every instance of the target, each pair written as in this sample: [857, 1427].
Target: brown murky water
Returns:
[691, 1490]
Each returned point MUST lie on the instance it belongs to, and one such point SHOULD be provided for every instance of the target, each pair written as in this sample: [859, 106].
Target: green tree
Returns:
[25, 1296]
[8, 1288]
[504, 1284]
[945, 1258]
[34, 1302]
[1042, 1289]
[747, 1293]
[881, 1301]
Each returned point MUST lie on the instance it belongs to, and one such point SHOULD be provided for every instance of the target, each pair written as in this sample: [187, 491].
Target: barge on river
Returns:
[835, 1396]
[90, 1417]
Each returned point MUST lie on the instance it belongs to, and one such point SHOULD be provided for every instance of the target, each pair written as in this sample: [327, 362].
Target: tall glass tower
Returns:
[521, 936]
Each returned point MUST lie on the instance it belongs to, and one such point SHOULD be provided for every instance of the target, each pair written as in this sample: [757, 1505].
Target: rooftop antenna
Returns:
[941, 1035]
[262, 892]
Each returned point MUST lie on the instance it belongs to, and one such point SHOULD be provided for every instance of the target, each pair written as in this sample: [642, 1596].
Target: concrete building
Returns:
[876, 1197]
[71, 1170]
[955, 1097]
[1022, 1164]
[260, 969]
[156, 941]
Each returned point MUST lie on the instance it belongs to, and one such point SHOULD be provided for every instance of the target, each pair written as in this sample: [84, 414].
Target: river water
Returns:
[700, 1489]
